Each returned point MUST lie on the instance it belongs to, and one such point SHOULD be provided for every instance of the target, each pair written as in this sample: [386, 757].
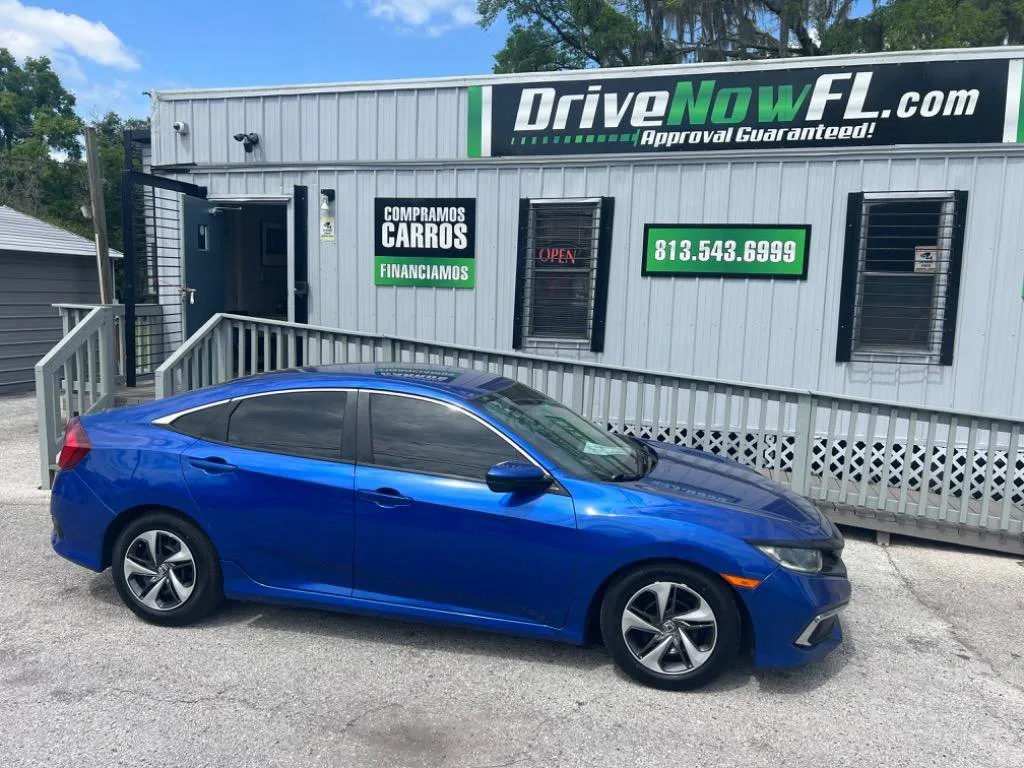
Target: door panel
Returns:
[457, 545]
[286, 520]
[205, 276]
[447, 541]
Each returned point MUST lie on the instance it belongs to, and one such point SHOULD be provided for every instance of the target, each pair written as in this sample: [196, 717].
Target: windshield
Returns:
[575, 444]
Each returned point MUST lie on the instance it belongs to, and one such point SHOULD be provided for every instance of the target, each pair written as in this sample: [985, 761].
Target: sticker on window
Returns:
[604, 450]
[926, 258]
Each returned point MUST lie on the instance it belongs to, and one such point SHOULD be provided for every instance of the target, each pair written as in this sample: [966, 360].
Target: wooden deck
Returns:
[893, 509]
[144, 392]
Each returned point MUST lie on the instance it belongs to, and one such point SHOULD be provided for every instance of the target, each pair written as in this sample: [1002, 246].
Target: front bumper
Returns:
[819, 629]
[795, 617]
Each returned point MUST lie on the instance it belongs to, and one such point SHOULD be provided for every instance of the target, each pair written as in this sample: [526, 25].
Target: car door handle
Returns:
[386, 497]
[215, 465]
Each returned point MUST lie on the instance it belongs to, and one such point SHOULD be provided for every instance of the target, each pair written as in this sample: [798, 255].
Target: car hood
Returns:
[695, 476]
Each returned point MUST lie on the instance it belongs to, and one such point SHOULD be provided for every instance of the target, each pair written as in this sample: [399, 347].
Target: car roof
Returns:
[461, 383]
[414, 378]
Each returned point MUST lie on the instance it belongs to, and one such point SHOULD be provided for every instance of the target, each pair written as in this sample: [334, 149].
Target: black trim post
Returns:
[604, 252]
[848, 288]
[517, 312]
[956, 260]
[128, 274]
[301, 263]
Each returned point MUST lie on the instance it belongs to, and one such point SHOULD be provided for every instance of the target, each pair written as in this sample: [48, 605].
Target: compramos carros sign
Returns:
[425, 241]
[914, 102]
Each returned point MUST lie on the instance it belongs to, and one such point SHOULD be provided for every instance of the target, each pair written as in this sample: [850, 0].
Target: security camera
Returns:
[181, 128]
[249, 140]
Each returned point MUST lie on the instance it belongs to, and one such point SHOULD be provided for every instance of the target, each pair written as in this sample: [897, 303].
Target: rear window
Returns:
[307, 424]
[198, 423]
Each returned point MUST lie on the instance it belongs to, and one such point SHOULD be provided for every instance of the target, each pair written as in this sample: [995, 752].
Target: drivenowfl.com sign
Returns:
[914, 102]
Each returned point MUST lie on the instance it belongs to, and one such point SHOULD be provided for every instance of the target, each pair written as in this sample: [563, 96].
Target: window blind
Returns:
[901, 277]
[561, 285]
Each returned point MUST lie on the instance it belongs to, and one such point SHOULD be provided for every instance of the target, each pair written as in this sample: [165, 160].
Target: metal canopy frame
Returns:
[131, 181]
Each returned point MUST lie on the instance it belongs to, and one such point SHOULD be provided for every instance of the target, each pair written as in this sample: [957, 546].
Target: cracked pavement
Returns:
[932, 673]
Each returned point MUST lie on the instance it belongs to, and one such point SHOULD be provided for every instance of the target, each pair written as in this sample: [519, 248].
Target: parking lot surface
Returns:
[932, 674]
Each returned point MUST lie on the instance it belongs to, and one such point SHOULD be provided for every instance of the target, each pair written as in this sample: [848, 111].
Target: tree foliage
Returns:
[109, 141]
[42, 165]
[922, 24]
[563, 34]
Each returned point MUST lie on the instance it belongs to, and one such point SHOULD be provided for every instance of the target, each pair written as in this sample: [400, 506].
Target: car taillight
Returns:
[76, 445]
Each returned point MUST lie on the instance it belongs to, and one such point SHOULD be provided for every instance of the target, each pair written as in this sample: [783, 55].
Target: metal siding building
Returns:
[409, 139]
[40, 265]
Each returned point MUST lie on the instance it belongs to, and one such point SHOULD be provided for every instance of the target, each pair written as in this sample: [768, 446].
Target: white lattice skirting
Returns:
[964, 472]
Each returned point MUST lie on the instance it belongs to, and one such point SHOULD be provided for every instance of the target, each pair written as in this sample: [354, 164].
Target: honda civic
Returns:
[450, 496]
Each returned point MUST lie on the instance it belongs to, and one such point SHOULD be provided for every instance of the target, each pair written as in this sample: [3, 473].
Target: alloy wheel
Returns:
[160, 570]
[669, 628]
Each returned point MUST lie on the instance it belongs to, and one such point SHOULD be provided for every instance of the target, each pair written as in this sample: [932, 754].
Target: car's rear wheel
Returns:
[166, 570]
[671, 626]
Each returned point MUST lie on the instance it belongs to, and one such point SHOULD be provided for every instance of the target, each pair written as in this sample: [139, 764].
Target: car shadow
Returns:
[266, 617]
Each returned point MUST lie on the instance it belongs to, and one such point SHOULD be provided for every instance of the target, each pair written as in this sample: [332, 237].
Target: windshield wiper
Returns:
[648, 460]
[624, 477]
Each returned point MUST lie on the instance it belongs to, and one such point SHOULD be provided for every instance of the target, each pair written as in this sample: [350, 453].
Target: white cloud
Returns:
[31, 31]
[433, 17]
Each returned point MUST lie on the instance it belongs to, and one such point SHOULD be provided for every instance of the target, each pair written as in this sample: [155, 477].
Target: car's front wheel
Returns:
[671, 626]
[166, 570]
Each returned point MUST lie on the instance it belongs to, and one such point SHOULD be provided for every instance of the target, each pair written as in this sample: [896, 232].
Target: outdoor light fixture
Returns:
[249, 140]
[326, 198]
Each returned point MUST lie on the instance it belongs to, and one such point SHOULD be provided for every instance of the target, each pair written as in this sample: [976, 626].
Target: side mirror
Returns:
[517, 477]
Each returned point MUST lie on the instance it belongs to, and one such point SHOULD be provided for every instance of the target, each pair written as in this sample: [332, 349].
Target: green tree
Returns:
[923, 24]
[611, 33]
[109, 141]
[40, 152]
[42, 167]
[35, 107]
[559, 34]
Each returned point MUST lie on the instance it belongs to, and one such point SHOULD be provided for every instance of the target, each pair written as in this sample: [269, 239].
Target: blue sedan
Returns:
[450, 496]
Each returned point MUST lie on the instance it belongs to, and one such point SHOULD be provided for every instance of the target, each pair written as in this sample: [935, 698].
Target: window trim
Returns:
[167, 421]
[347, 449]
[854, 253]
[364, 450]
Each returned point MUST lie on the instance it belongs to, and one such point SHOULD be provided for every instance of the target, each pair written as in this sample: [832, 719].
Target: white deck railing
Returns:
[77, 376]
[151, 346]
[929, 472]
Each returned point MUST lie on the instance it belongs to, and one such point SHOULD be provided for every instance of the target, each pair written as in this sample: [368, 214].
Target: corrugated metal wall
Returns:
[412, 143]
[318, 128]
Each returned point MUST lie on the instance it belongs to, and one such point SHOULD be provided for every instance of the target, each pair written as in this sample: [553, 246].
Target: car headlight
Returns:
[794, 558]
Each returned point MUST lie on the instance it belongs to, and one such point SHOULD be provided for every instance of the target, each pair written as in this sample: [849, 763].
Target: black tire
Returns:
[175, 539]
[722, 640]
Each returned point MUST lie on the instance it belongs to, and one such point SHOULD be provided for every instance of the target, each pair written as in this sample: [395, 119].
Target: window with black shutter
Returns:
[901, 277]
[562, 273]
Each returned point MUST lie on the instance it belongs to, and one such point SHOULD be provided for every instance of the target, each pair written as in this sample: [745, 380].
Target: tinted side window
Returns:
[421, 436]
[297, 423]
[198, 422]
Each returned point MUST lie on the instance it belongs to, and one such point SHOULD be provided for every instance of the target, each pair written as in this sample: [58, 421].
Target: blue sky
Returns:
[109, 51]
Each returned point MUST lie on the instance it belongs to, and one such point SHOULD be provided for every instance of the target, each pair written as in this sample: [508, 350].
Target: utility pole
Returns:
[99, 215]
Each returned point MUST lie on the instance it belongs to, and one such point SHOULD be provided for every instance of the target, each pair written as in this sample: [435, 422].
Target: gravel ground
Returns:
[932, 673]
